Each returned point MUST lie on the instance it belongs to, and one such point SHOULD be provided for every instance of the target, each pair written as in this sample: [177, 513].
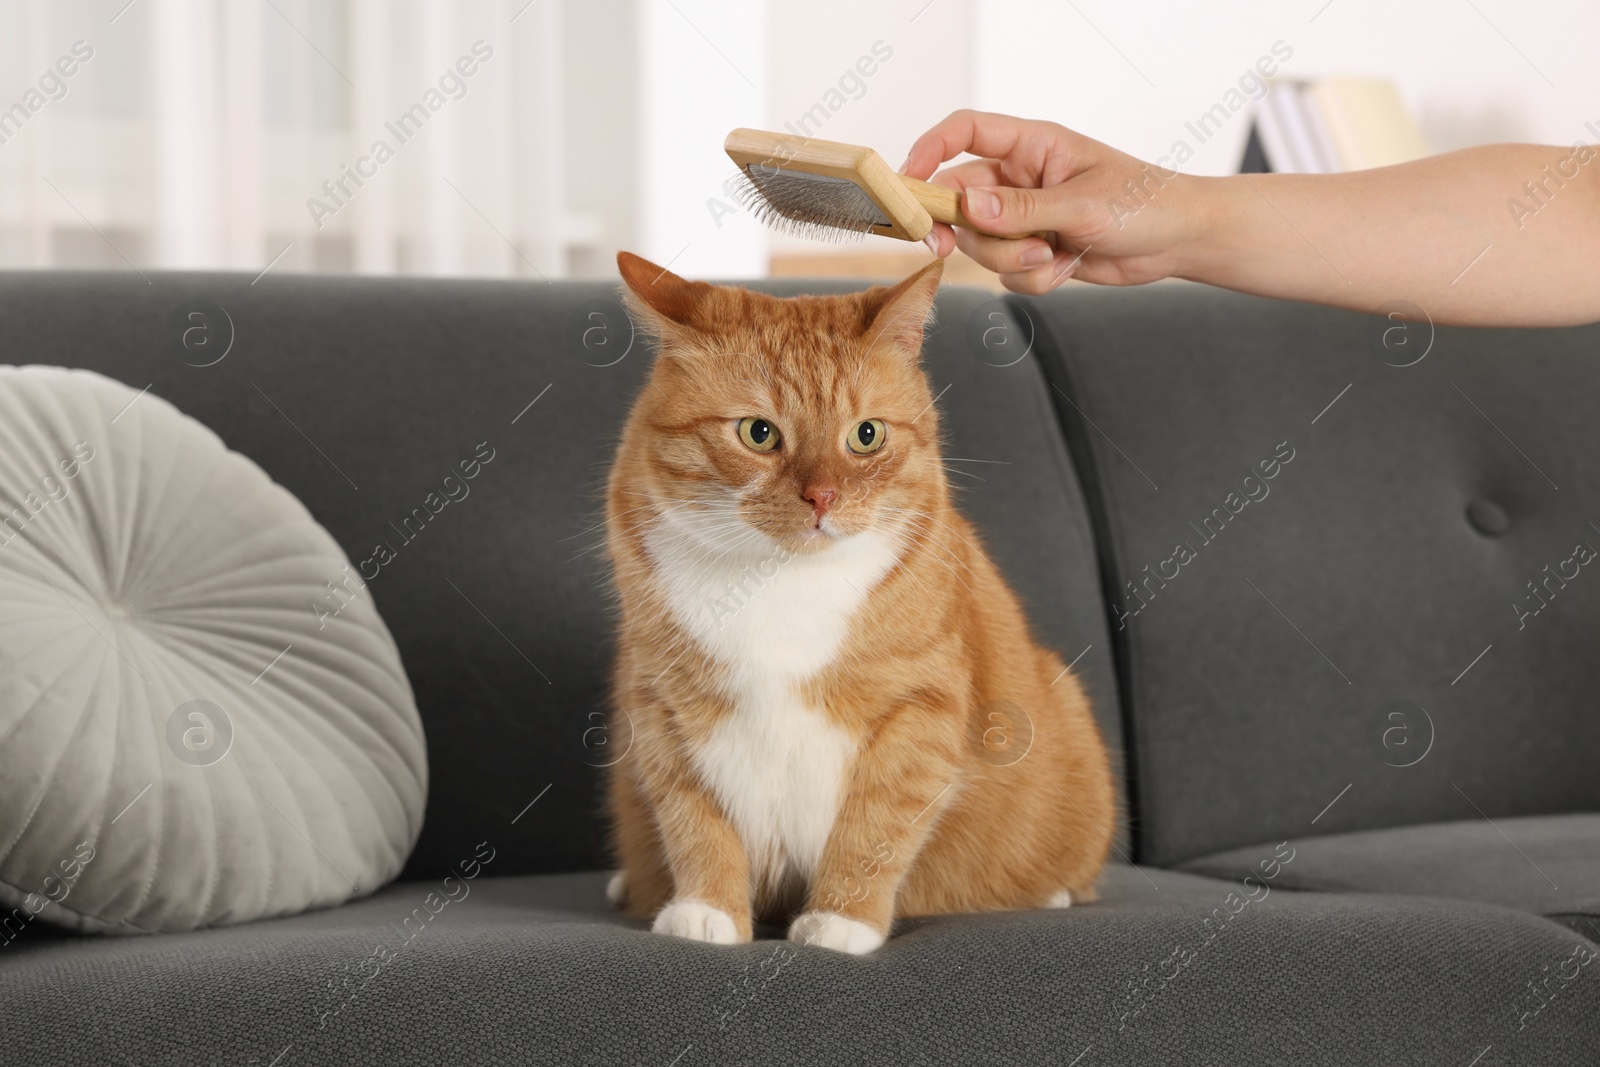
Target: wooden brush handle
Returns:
[944, 204]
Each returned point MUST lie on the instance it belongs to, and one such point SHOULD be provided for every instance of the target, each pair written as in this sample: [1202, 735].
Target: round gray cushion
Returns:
[203, 719]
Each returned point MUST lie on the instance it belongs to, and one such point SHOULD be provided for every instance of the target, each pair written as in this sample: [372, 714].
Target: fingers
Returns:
[995, 205]
[977, 178]
[1043, 279]
[972, 172]
[1002, 256]
[941, 240]
[1042, 272]
[1029, 265]
[1000, 194]
[1009, 211]
[978, 132]
[978, 171]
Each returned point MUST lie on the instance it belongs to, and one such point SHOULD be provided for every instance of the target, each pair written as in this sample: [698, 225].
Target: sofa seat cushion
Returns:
[1545, 864]
[538, 969]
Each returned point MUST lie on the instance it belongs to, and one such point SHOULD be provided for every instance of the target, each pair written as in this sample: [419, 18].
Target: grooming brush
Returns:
[828, 190]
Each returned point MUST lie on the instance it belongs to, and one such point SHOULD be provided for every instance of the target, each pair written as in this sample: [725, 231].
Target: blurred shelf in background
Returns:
[1331, 125]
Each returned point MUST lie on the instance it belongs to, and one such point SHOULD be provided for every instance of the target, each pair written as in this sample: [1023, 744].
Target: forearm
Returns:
[1504, 235]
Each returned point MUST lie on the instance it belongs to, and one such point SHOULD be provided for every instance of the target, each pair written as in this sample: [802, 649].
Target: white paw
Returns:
[615, 888]
[1062, 899]
[696, 921]
[827, 930]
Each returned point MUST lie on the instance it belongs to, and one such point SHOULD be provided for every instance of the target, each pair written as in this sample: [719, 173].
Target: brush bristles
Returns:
[807, 205]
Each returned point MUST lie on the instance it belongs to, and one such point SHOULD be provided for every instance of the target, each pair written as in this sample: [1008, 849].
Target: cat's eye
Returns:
[867, 437]
[758, 433]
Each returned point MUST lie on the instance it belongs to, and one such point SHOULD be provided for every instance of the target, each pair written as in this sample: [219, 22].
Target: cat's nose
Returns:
[820, 497]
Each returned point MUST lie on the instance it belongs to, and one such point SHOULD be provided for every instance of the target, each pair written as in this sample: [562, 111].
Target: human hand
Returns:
[1114, 219]
[1353, 240]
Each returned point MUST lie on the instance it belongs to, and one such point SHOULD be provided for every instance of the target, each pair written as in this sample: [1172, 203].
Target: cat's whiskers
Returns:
[729, 541]
[953, 532]
[702, 558]
[601, 543]
[945, 553]
[940, 553]
[722, 516]
[953, 573]
[707, 554]
[909, 527]
[584, 552]
[599, 525]
[694, 507]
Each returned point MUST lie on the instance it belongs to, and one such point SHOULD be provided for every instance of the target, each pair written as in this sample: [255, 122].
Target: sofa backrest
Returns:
[362, 395]
[1350, 562]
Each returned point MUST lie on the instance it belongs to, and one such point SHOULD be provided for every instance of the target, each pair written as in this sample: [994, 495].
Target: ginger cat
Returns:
[813, 644]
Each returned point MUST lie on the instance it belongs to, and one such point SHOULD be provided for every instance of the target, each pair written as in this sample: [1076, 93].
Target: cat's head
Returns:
[806, 419]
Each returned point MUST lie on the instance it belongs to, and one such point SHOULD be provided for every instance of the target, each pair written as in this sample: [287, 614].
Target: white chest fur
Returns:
[776, 765]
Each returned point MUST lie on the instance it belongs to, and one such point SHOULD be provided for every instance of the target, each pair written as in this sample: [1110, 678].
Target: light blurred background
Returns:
[200, 133]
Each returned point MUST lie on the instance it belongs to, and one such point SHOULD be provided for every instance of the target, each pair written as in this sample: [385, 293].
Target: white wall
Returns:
[815, 46]
[1464, 82]
[703, 72]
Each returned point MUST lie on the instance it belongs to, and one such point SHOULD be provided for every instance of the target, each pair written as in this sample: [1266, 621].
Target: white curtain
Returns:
[369, 136]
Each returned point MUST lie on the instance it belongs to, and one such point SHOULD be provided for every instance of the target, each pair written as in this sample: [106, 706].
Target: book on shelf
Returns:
[1335, 124]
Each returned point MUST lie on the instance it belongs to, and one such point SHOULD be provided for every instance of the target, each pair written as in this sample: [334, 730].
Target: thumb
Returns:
[1008, 210]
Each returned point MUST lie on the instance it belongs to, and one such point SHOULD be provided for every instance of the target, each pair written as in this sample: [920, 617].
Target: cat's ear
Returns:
[897, 314]
[667, 303]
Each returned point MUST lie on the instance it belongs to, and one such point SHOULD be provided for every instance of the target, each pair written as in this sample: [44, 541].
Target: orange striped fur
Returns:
[838, 715]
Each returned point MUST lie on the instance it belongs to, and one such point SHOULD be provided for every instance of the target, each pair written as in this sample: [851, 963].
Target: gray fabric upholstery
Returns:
[1323, 638]
[536, 970]
[361, 395]
[1546, 864]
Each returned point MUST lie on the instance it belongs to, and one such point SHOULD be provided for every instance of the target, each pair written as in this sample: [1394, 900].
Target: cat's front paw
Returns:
[826, 929]
[698, 921]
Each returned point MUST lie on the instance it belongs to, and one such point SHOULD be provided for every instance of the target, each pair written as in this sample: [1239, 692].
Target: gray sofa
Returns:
[1316, 569]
